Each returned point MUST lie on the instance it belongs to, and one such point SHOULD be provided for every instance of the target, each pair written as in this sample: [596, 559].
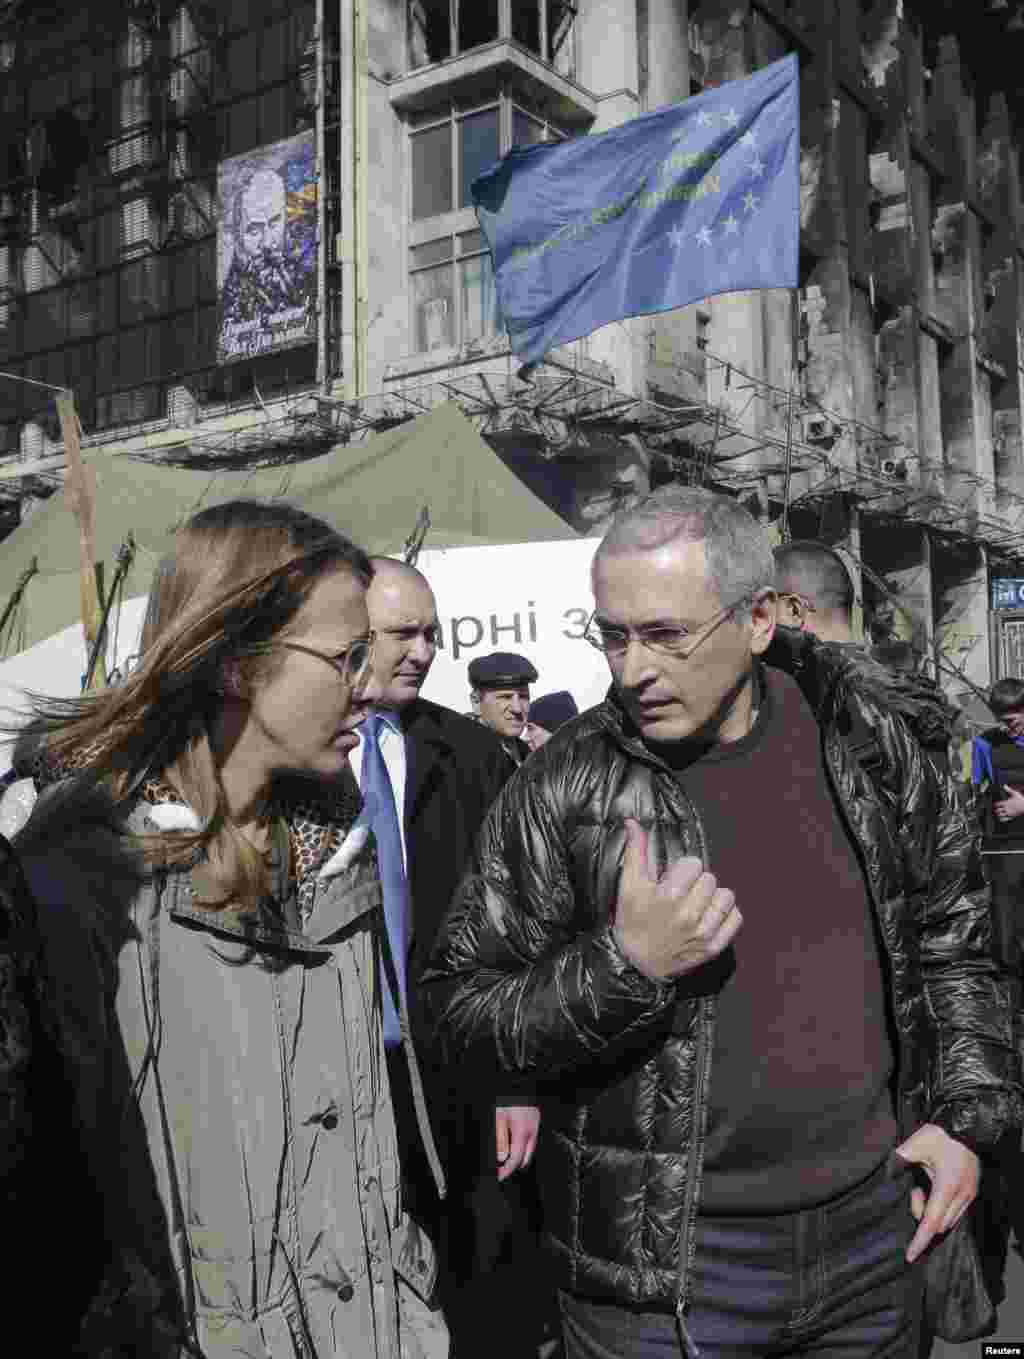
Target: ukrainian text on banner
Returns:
[673, 206]
[266, 249]
[530, 598]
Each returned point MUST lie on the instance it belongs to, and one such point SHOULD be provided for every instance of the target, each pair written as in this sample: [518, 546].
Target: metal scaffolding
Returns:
[560, 408]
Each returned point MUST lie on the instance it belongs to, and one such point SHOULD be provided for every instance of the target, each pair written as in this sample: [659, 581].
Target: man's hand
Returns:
[1011, 806]
[955, 1173]
[515, 1134]
[535, 736]
[670, 926]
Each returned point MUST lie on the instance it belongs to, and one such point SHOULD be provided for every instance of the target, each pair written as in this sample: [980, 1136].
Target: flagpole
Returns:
[788, 482]
[79, 491]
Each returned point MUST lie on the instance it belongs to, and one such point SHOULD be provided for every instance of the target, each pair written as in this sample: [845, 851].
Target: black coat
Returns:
[455, 768]
[527, 973]
[41, 1153]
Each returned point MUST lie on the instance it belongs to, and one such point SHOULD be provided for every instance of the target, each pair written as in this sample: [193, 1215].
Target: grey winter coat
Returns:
[233, 1098]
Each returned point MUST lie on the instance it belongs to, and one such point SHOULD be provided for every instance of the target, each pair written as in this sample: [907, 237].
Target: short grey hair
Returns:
[740, 565]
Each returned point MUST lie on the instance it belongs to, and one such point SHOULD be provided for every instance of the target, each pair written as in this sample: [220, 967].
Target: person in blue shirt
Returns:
[997, 772]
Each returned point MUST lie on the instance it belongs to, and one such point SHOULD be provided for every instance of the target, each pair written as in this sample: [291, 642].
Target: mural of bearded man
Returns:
[269, 286]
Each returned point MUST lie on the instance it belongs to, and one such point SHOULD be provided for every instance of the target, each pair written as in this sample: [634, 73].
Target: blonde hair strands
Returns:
[238, 576]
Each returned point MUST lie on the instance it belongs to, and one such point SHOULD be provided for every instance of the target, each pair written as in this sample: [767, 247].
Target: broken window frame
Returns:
[555, 25]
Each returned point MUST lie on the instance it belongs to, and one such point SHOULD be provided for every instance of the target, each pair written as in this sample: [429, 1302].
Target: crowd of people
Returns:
[336, 1022]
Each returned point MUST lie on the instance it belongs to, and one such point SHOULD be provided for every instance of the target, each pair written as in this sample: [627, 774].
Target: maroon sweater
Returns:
[800, 1101]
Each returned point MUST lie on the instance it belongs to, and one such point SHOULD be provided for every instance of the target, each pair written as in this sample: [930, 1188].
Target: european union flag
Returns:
[699, 198]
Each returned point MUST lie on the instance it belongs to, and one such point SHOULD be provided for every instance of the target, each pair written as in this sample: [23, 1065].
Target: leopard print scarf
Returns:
[318, 819]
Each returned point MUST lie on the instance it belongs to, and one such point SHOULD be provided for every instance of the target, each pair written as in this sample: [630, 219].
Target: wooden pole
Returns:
[787, 489]
[80, 493]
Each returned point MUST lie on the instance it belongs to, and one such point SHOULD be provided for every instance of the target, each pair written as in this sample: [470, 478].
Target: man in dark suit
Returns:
[445, 771]
[499, 689]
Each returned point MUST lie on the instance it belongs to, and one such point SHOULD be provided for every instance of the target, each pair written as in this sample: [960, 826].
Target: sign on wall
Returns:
[267, 249]
[530, 598]
[1008, 593]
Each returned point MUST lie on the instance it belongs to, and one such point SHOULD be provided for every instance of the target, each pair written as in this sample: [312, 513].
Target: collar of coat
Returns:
[426, 721]
[828, 673]
[327, 827]
[328, 824]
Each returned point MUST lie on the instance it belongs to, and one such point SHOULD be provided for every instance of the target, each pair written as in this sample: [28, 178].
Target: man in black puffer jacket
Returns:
[752, 1126]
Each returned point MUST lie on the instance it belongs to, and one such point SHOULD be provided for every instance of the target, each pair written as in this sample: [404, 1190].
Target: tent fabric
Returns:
[373, 492]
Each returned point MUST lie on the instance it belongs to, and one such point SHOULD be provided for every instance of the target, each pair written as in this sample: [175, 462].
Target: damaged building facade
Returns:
[177, 171]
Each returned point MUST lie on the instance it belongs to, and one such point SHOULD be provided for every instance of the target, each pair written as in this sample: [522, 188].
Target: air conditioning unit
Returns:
[894, 467]
[819, 429]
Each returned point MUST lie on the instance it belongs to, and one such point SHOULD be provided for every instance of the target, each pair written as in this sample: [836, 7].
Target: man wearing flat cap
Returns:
[500, 694]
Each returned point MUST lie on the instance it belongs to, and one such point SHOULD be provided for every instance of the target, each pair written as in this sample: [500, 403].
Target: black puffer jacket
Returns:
[527, 966]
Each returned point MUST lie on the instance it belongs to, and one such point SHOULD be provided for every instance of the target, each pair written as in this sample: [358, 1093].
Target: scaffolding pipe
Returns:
[321, 202]
[359, 190]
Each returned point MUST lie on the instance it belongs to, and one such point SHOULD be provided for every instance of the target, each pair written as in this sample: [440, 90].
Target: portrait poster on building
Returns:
[267, 249]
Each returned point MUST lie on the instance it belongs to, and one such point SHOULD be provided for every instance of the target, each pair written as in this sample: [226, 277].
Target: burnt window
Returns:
[439, 29]
[115, 124]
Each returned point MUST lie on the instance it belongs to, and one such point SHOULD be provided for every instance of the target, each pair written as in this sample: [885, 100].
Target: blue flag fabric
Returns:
[698, 198]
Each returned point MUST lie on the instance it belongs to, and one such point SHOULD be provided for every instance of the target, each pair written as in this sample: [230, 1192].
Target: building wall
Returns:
[895, 370]
[906, 326]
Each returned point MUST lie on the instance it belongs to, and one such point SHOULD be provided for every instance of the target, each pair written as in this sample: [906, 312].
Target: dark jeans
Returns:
[1005, 873]
[832, 1281]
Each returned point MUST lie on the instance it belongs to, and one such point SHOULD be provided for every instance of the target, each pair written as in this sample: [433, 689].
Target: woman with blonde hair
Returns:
[211, 924]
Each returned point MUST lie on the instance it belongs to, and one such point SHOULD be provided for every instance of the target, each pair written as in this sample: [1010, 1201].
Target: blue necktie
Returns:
[380, 800]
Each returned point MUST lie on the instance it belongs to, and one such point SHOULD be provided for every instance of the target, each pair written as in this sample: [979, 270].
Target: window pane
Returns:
[525, 130]
[526, 23]
[478, 23]
[433, 252]
[470, 242]
[432, 172]
[81, 312]
[433, 309]
[561, 14]
[479, 148]
[430, 33]
[479, 300]
[427, 118]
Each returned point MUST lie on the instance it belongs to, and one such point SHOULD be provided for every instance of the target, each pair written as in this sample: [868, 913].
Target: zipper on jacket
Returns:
[688, 1231]
[705, 1030]
[687, 1340]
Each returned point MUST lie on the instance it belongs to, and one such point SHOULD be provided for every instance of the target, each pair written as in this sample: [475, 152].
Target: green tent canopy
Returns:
[373, 492]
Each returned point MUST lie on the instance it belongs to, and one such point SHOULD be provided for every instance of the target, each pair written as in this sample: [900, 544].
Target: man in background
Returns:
[500, 695]
[815, 592]
[815, 601]
[444, 771]
[552, 711]
[997, 772]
